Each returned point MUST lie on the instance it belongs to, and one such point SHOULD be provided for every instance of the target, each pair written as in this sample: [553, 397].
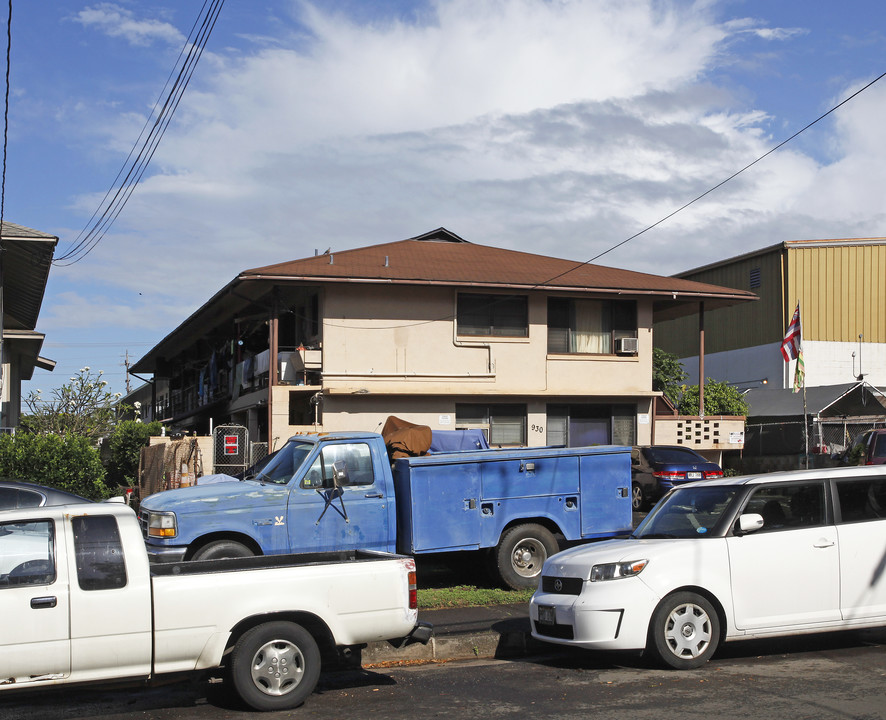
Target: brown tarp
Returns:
[405, 439]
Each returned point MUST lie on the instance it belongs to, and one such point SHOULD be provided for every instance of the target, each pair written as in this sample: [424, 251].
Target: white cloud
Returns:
[117, 21]
[553, 127]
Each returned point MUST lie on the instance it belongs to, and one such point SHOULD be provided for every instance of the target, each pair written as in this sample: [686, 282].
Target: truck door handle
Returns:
[824, 543]
[373, 495]
[39, 603]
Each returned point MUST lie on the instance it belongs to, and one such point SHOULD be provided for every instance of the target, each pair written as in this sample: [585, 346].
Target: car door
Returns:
[352, 512]
[861, 530]
[35, 641]
[787, 573]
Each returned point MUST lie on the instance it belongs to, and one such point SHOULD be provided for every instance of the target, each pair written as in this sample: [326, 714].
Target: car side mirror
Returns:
[340, 473]
[750, 522]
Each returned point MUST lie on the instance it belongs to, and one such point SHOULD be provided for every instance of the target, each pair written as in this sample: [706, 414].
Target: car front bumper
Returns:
[610, 615]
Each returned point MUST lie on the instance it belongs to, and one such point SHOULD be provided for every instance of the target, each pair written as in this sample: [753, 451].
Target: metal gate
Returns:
[231, 443]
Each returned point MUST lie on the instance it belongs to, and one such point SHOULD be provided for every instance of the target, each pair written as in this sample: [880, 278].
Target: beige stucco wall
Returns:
[416, 367]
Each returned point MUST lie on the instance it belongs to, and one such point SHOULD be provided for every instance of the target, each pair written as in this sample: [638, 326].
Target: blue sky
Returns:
[560, 127]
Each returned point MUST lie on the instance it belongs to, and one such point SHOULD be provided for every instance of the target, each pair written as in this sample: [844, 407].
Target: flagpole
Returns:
[805, 424]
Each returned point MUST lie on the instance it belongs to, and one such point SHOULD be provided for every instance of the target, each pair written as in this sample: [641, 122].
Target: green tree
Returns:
[69, 462]
[667, 374]
[84, 407]
[126, 442]
[719, 399]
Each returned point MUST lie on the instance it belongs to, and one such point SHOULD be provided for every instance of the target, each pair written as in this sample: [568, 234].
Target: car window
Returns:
[861, 499]
[879, 446]
[354, 459]
[99, 552]
[12, 498]
[27, 553]
[788, 506]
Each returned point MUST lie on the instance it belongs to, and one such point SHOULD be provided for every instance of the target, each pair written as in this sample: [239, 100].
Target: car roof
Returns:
[54, 496]
[796, 476]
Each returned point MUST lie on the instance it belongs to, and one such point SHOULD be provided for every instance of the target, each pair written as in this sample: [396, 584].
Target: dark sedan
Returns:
[18, 494]
[655, 469]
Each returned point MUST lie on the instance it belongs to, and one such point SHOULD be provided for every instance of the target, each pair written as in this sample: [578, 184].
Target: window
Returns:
[12, 498]
[589, 326]
[788, 506]
[98, 552]
[862, 500]
[354, 460]
[27, 553]
[582, 425]
[493, 315]
[503, 425]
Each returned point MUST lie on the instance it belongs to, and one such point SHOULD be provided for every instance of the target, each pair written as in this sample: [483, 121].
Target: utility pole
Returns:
[126, 365]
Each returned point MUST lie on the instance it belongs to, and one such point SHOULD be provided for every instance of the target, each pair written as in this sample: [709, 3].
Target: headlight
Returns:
[162, 525]
[614, 571]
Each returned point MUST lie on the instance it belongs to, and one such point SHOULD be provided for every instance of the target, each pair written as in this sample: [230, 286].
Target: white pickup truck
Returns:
[80, 603]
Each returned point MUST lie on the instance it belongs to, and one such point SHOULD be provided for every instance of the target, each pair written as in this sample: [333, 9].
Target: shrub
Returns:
[126, 442]
[67, 462]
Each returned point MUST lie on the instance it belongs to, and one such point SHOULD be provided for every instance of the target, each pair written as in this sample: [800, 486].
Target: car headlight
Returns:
[162, 525]
[614, 571]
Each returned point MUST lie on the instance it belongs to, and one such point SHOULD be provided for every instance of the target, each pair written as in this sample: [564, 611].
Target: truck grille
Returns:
[143, 522]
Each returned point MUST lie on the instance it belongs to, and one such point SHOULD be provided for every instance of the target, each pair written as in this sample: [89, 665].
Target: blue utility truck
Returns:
[339, 491]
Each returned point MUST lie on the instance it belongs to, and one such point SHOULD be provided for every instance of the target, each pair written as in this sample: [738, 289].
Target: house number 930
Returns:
[537, 428]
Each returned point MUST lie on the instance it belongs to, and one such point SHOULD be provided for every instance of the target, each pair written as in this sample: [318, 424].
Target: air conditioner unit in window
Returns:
[626, 346]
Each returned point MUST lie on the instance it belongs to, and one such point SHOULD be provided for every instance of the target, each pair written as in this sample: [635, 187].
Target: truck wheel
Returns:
[275, 666]
[684, 631]
[521, 553]
[221, 549]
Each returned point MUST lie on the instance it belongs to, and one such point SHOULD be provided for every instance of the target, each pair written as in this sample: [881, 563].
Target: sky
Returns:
[560, 127]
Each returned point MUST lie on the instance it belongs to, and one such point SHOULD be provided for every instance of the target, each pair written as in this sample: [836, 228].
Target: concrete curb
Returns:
[500, 631]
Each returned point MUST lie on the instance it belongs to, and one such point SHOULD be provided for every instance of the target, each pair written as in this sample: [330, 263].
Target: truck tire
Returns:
[521, 552]
[275, 666]
[684, 631]
[221, 549]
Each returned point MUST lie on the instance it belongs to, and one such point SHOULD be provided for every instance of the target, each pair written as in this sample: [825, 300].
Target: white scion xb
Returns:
[719, 560]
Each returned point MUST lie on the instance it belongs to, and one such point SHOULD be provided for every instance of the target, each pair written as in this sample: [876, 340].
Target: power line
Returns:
[110, 209]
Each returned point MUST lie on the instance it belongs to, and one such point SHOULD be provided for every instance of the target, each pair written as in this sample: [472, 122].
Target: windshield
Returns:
[692, 511]
[285, 463]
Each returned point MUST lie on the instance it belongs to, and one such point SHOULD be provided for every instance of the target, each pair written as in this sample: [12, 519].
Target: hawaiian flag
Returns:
[790, 346]
[799, 373]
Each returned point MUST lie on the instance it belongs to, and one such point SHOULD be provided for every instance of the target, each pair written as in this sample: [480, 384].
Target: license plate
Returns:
[693, 476]
[546, 615]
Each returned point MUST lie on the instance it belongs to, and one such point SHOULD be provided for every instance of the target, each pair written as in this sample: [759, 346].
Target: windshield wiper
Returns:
[656, 536]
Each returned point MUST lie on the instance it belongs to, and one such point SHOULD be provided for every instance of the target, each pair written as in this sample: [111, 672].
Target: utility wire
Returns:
[679, 209]
[109, 210]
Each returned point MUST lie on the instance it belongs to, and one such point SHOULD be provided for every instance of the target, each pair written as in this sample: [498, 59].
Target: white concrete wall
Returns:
[827, 363]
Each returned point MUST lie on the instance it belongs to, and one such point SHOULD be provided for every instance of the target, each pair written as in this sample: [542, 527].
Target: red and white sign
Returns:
[232, 445]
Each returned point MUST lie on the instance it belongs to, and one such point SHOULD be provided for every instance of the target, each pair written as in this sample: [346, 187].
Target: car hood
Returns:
[578, 561]
[198, 498]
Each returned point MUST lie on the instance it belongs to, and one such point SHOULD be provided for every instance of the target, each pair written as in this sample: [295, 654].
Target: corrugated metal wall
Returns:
[744, 325]
[841, 289]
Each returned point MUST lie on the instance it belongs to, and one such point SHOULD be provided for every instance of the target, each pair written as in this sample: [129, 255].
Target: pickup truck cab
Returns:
[80, 603]
[337, 491]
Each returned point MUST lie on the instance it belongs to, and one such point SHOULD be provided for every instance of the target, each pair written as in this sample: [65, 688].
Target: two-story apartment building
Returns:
[439, 331]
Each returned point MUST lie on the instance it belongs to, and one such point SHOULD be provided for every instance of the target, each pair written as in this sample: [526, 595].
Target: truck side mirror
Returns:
[750, 522]
[340, 473]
